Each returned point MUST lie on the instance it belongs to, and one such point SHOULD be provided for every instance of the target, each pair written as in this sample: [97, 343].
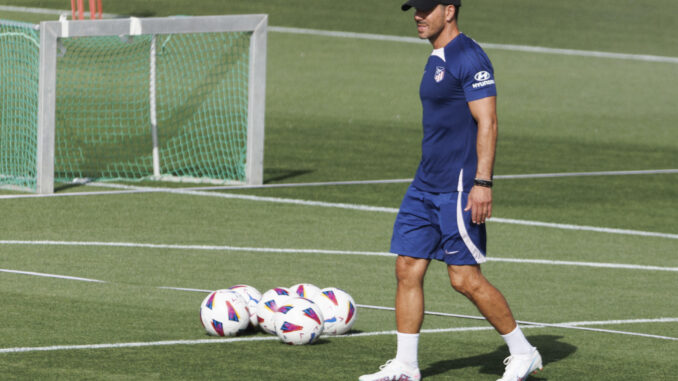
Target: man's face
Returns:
[430, 22]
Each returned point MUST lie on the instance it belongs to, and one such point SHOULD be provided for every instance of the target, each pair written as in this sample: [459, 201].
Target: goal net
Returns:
[175, 99]
[19, 61]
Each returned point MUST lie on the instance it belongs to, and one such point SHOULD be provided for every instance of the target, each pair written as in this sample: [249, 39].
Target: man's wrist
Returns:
[482, 182]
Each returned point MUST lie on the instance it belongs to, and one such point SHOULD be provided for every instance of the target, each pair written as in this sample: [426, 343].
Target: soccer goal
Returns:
[170, 99]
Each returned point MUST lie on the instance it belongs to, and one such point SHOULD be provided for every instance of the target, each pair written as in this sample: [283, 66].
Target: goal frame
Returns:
[52, 31]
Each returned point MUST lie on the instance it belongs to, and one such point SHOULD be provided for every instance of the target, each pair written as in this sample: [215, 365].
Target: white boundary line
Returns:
[380, 37]
[129, 189]
[583, 228]
[510, 47]
[308, 251]
[581, 174]
[364, 334]
[195, 247]
[51, 276]
[404, 181]
[584, 264]
[527, 324]
[333, 183]
[569, 325]
[133, 345]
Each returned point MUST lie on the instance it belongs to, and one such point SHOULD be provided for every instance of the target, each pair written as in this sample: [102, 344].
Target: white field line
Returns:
[510, 47]
[318, 251]
[195, 247]
[136, 189]
[304, 185]
[208, 341]
[404, 181]
[50, 276]
[569, 325]
[380, 37]
[363, 334]
[186, 289]
[584, 228]
[583, 174]
[341, 183]
[129, 189]
[584, 264]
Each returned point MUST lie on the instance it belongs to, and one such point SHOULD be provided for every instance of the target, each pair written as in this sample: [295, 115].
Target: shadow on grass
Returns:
[60, 187]
[273, 175]
[551, 349]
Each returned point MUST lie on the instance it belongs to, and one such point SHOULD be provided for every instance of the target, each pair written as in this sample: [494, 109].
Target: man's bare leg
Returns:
[410, 293]
[469, 281]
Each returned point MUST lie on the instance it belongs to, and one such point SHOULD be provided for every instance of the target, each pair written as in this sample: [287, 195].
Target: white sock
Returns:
[407, 349]
[517, 343]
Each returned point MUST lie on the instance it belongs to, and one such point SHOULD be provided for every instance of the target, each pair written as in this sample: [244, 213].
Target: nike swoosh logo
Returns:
[451, 252]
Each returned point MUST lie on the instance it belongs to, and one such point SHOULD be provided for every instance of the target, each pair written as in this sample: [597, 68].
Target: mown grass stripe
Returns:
[318, 251]
[129, 189]
[381, 37]
[509, 47]
[273, 338]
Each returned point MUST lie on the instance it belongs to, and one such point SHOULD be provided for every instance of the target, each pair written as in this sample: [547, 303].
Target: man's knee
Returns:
[410, 270]
[466, 280]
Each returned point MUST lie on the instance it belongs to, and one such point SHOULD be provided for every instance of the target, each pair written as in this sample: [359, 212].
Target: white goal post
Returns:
[53, 32]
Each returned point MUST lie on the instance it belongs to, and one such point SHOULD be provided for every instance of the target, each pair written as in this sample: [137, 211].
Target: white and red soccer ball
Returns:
[338, 308]
[305, 290]
[297, 315]
[252, 296]
[299, 321]
[224, 313]
[268, 306]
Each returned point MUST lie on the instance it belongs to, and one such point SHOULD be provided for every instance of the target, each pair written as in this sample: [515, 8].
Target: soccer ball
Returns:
[224, 313]
[305, 290]
[252, 296]
[339, 310]
[268, 306]
[299, 321]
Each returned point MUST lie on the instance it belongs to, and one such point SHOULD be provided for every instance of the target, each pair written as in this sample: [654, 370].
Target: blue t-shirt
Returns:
[457, 74]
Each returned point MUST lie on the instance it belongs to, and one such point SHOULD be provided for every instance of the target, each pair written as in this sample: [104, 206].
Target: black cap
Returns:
[428, 4]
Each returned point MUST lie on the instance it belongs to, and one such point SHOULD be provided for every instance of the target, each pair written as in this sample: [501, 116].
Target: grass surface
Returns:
[630, 26]
[344, 109]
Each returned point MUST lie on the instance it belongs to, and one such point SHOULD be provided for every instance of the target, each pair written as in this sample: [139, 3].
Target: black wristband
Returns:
[483, 183]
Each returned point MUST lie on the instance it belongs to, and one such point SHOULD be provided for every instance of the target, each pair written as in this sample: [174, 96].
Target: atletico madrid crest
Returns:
[440, 74]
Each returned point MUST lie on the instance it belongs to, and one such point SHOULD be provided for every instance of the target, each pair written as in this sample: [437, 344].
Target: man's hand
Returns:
[480, 204]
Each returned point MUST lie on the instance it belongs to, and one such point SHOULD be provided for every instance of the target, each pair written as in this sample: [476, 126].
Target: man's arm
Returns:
[484, 111]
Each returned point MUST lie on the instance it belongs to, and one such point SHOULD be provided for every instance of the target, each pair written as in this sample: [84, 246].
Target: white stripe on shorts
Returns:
[477, 254]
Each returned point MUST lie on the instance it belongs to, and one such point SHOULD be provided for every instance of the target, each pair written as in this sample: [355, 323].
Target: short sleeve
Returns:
[477, 74]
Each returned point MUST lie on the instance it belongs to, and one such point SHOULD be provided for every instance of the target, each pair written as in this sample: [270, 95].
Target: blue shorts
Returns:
[435, 226]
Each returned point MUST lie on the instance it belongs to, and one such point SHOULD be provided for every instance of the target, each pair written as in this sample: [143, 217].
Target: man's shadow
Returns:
[551, 349]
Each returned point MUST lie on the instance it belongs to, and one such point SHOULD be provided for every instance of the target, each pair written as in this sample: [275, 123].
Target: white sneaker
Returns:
[518, 367]
[393, 371]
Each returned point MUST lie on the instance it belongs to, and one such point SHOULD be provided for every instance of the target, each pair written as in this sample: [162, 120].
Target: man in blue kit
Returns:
[443, 213]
